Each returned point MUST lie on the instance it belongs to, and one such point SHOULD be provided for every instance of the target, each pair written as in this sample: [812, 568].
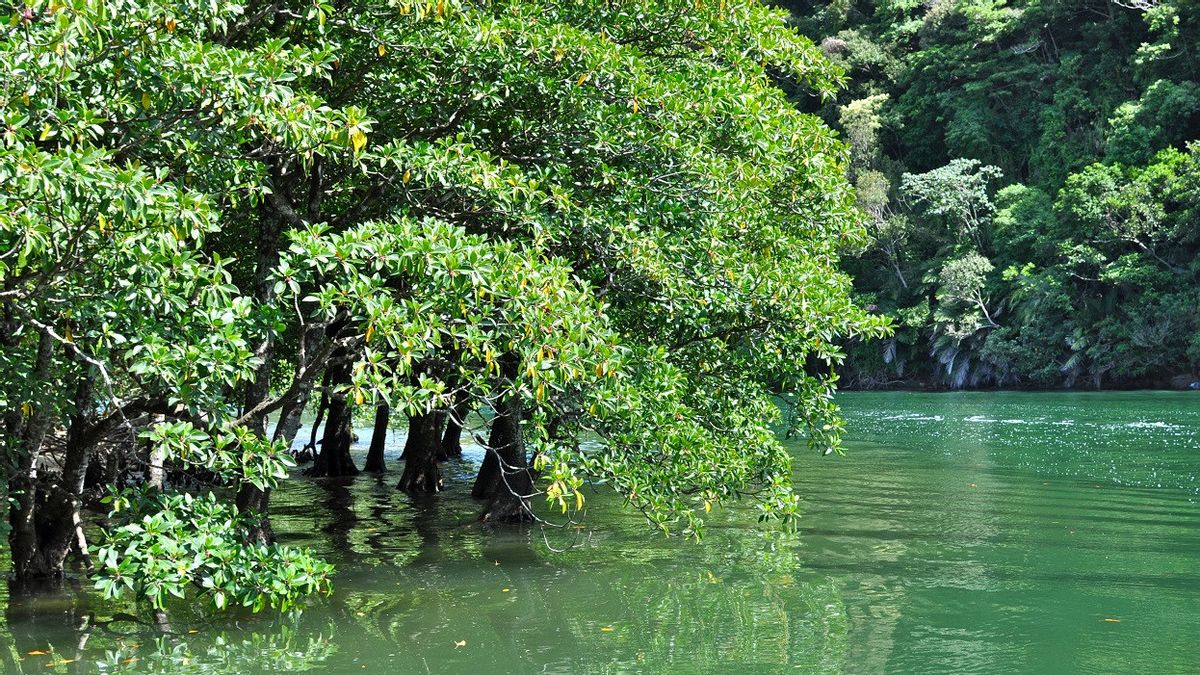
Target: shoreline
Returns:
[929, 388]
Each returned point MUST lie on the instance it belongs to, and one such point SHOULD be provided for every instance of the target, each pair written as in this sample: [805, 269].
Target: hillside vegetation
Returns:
[1032, 179]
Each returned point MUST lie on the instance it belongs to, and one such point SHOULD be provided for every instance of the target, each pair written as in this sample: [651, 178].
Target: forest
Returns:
[1031, 174]
[639, 243]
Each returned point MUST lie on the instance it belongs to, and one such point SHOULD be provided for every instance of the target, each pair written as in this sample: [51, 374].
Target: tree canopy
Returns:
[606, 224]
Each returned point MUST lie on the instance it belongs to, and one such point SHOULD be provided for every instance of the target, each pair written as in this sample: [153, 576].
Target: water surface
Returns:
[974, 532]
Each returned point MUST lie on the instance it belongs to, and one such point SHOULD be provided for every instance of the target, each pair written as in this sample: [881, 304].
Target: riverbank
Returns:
[1185, 382]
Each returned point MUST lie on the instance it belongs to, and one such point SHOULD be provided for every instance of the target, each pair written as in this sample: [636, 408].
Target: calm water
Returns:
[974, 532]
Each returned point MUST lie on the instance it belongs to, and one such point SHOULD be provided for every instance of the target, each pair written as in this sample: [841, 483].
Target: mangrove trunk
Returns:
[421, 471]
[375, 463]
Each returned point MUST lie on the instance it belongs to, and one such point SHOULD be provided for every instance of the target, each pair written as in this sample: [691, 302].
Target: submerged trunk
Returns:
[334, 458]
[489, 471]
[455, 418]
[421, 471]
[254, 502]
[513, 483]
[375, 461]
[504, 478]
[45, 509]
[28, 560]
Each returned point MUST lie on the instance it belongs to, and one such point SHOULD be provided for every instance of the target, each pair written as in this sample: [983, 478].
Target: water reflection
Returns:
[70, 631]
[422, 589]
[941, 542]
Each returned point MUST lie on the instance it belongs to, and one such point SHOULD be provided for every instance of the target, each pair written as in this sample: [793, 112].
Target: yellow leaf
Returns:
[583, 78]
[145, 101]
[37, 652]
[578, 500]
[47, 132]
[633, 103]
[707, 506]
[370, 331]
[406, 177]
[505, 590]
[170, 25]
[358, 397]
[606, 629]
[1111, 620]
[382, 50]
[358, 139]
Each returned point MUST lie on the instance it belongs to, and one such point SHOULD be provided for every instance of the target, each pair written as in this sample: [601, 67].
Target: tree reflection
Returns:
[421, 585]
[71, 632]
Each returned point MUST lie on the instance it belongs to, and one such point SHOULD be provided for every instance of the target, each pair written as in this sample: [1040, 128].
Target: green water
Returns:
[973, 532]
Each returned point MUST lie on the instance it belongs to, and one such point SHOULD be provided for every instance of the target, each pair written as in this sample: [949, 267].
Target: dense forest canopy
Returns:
[603, 225]
[1031, 170]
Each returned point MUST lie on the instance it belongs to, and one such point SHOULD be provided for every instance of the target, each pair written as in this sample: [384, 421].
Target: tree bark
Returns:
[267, 258]
[68, 530]
[290, 414]
[421, 471]
[156, 458]
[375, 463]
[289, 419]
[252, 501]
[309, 452]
